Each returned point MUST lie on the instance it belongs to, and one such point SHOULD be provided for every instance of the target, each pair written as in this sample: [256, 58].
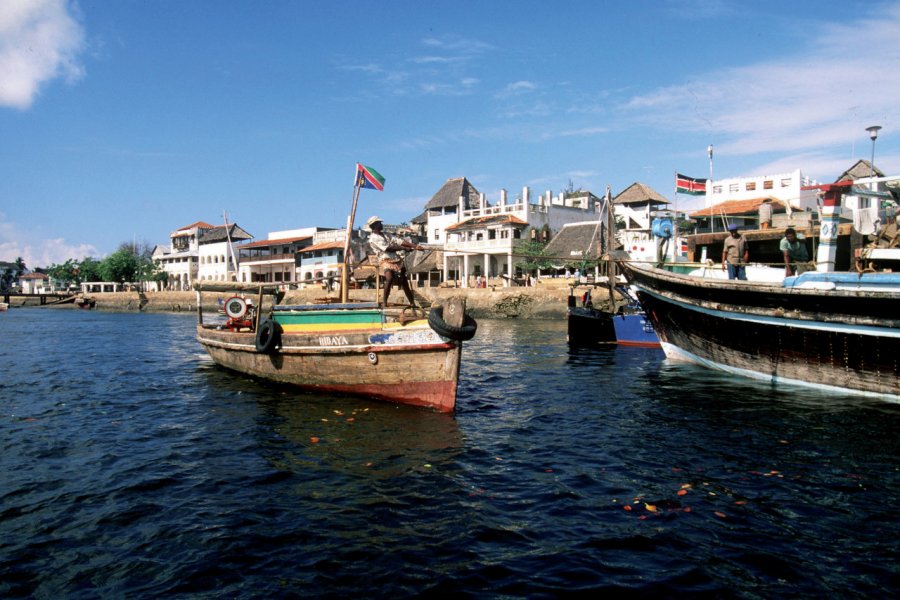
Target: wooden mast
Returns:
[345, 268]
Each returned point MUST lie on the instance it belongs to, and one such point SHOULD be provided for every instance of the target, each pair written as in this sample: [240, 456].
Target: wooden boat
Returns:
[396, 354]
[4, 306]
[839, 331]
[85, 302]
[623, 322]
[408, 356]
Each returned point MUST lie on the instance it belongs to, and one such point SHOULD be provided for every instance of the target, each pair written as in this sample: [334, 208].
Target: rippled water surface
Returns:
[131, 466]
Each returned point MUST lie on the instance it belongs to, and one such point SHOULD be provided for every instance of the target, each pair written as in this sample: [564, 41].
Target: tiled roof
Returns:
[478, 222]
[737, 207]
[198, 225]
[322, 246]
[278, 242]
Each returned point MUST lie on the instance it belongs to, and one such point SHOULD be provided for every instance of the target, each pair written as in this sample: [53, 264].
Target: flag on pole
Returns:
[689, 185]
[367, 177]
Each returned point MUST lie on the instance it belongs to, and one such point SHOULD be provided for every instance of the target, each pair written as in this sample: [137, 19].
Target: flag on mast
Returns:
[367, 177]
[689, 185]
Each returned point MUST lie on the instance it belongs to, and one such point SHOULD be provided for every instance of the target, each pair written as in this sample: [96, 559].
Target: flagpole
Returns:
[675, 242]
[345, 272]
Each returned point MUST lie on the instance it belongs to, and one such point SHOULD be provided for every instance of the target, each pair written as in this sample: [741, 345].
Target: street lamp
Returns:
[873, 134]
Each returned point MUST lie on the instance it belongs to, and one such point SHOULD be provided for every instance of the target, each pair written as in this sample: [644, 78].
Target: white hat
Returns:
[372, 221]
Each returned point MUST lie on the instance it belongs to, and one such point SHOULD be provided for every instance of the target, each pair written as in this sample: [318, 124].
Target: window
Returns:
[734, 187]
[492, 234]
[751, 185]
[786, 182]
[767, 185]
[437, 234]
[717, 189]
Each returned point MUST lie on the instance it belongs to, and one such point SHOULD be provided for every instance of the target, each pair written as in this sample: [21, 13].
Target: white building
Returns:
[217, 254]
[274, 260]
[483, 239]
[181, 259]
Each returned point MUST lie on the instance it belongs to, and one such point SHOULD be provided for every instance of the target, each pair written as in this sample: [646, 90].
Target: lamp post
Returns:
[873, 134]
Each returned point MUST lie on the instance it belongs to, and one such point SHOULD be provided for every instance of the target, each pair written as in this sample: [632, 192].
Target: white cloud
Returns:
[38, 253]
[40, 40]
[820, 98]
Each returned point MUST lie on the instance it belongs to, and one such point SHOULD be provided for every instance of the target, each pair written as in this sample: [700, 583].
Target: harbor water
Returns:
[133, 467]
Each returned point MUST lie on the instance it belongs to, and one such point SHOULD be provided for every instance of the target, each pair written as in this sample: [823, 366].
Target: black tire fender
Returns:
[268, 336]
[462, 333]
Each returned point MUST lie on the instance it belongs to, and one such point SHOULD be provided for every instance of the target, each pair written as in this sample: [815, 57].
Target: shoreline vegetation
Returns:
[547, 300]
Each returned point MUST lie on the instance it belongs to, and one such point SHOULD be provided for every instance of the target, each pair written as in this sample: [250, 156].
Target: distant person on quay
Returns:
[389, 252]
[794, 252]
[735, 254]
[765, 214]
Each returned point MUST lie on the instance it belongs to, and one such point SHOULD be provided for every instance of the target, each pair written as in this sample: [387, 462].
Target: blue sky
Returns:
[123, 121]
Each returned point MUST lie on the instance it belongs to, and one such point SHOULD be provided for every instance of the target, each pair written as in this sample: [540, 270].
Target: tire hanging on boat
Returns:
[268, 336]
[462, 333]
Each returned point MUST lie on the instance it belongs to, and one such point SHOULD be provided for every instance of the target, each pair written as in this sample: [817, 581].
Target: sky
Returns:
[121, 122]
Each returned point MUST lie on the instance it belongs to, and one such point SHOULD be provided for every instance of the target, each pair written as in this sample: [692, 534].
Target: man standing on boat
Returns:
[735, 254]
[390, 262]
[794, 252]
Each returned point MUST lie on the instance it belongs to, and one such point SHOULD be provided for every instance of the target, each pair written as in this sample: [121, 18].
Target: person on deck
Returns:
[735, 254]
[765, 214]
[794, 251]
[388, 249]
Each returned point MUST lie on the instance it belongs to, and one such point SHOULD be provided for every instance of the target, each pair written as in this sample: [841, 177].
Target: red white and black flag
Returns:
[689, 185]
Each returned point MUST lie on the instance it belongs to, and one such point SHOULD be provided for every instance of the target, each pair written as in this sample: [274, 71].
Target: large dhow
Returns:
[839, 331]
[404, 355]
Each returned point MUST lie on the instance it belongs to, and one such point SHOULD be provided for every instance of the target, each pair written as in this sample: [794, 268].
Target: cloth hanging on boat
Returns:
[865, 220]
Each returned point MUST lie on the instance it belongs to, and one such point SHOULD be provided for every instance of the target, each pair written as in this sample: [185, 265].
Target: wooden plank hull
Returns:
[408, 365]
[847, 340]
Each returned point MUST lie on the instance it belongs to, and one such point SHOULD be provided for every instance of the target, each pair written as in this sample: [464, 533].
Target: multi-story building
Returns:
[274, 260]
[480, 239]
[218, 248]
[180, 260]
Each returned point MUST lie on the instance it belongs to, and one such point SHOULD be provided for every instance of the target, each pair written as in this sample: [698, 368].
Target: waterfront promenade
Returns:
[546, 300]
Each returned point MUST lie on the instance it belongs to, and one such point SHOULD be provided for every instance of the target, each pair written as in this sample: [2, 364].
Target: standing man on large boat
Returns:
[794, 252]
[735, 254]
[390, 262]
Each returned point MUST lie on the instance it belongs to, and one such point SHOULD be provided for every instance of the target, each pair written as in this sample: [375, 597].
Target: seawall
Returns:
[547, 300]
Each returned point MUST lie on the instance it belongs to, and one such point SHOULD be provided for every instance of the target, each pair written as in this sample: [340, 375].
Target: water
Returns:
[131, 466]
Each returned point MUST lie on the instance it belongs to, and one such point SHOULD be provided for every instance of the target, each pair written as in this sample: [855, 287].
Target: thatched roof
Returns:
[218, 234]
[577, 242]
[425, 261]
[450, 192]
[861, 169]
[638, 193]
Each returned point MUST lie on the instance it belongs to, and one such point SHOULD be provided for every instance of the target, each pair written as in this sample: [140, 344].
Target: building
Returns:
[274, 260]
[480, 239]
[217, 253]
[634, 209]
[181, 259]
[35, 283]
[737, 200]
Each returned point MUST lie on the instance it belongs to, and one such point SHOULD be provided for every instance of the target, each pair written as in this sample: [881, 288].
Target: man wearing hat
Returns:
[735, 254]
[388, 247]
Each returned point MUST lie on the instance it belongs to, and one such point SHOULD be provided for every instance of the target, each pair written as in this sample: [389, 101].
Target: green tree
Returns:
[89, 270]
[120, 266]
[65, 274]
[532, 256]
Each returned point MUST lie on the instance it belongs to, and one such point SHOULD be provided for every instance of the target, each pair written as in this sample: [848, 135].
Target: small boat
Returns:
[632, 326]
[403, 355]
[624, 323]
[85, 302]
[4, 306]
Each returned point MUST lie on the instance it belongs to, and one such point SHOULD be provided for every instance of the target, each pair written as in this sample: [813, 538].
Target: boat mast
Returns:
[610, 246]
[345, 270]
[230, 247]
